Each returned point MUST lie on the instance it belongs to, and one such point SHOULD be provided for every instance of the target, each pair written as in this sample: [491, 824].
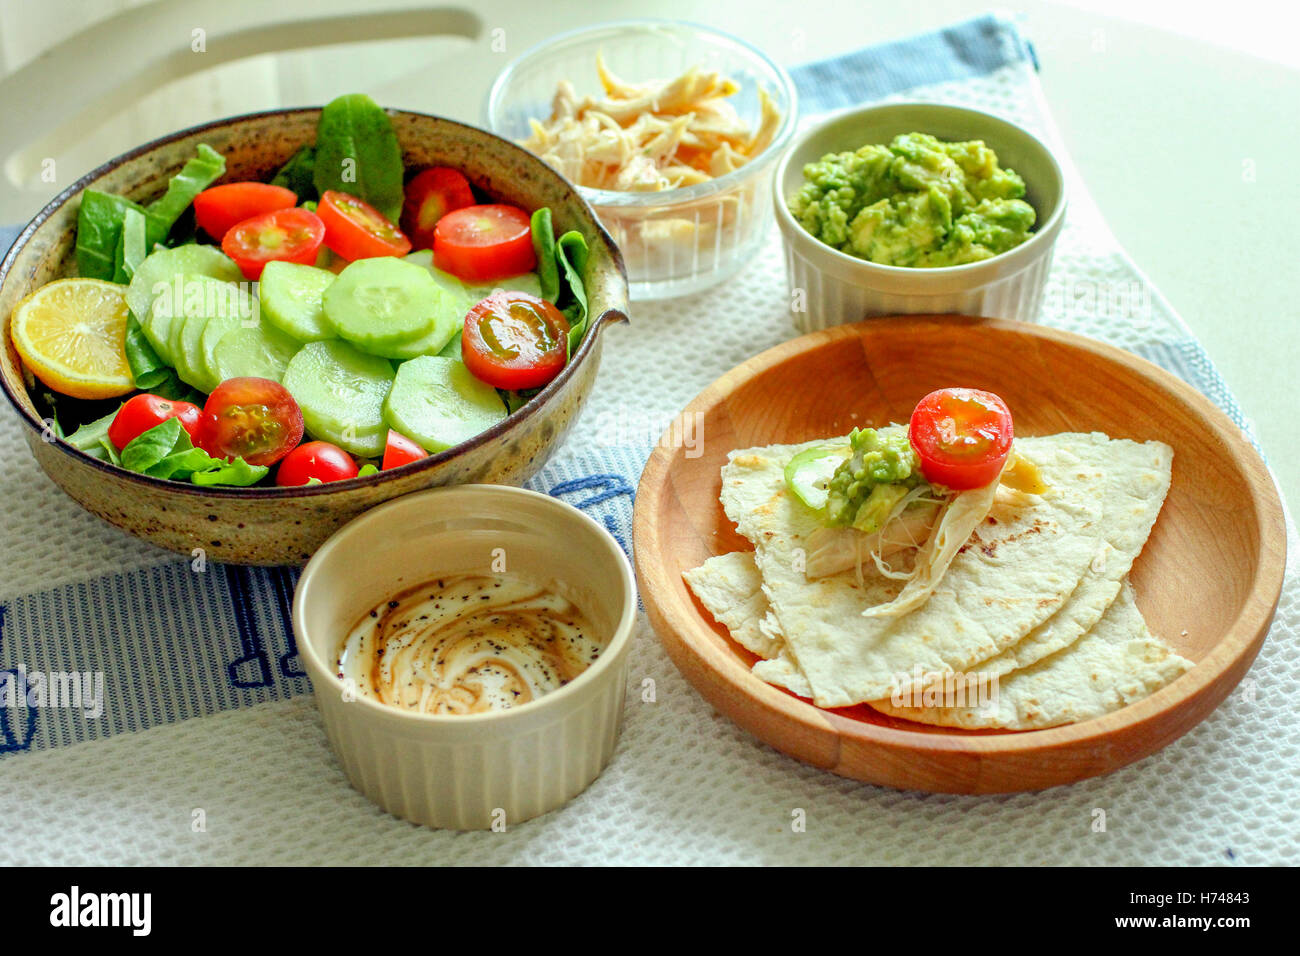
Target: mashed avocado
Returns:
[873, 479]
[916, 202]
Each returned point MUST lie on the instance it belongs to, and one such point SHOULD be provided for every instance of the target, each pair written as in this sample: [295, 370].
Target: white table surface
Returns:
[1187, 146]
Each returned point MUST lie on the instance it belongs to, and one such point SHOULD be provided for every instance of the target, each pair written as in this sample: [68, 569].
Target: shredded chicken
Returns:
[652, 136]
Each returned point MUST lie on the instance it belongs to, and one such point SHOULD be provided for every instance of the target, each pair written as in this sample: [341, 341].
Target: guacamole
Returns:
[882, 468]
[916, 202]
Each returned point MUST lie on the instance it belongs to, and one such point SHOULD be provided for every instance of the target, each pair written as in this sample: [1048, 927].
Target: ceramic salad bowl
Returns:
[273, 525]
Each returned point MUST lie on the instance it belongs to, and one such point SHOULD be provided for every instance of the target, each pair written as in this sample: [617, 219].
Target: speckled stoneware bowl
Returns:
[285, 525]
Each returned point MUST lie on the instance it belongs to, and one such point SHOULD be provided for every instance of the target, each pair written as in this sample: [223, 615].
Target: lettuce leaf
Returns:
[132, 246]
[195, 176]
[548, 271]
[102, 218]
[571, 253]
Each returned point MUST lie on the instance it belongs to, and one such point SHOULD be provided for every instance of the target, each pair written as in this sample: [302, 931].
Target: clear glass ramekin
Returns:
[677, 241]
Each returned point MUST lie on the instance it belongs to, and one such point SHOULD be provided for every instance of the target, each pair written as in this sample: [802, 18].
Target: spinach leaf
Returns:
[298, 174]
[544, 245]
[150, 447]
[571, 252]
[99, 227]
[357, 153]
[165, 451]
[195, 176]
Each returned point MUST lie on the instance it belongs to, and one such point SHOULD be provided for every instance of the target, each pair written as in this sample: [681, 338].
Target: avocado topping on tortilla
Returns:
[867, 487]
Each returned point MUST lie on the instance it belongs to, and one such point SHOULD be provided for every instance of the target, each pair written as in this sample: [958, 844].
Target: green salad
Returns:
[346, 316]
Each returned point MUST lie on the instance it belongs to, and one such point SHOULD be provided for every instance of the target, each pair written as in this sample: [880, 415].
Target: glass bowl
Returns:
[678, 241]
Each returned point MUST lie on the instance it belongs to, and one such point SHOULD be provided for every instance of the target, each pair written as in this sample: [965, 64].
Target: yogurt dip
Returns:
[468, 644]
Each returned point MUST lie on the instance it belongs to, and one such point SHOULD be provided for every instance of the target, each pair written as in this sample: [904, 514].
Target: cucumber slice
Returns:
[260, 351]
[809, 473]
[528, 282]
[452, 348]
[207, 300]
[341, 392]
[157, 326]
[385, 306]
[438, 403]
[291, 299]
[431, 344]
[213, 333]
[452, 285]
[459, 298]
[164, 266]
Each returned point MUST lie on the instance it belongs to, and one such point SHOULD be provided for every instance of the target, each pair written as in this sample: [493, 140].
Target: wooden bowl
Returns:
[1208, 580]
[269, 525]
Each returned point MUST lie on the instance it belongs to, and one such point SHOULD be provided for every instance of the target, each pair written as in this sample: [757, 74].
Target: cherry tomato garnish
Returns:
[251, 418]
[484, 243]
[430, 196]
[143, 412]
[315, 459]
[514, 340]
[293, 235]
[218, 209]
[354, 229]
[962, 436]
[401, 451]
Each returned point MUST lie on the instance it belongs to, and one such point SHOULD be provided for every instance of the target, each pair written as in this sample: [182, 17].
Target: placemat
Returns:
[202, 745]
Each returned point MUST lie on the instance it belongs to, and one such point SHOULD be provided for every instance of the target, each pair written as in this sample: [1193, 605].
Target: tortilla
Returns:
[1115, 664]
[730, 587]
[1017, 570]
[1137, 480]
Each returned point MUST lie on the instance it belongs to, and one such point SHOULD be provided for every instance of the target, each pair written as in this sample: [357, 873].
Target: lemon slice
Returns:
[72, 334]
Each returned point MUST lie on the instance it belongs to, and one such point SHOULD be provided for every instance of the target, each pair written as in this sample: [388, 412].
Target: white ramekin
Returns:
[829, 287]
[482, 770]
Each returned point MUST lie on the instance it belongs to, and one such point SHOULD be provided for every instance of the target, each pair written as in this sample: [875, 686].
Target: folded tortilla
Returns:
[730, 587]
[1115, 664]
[1019, 567]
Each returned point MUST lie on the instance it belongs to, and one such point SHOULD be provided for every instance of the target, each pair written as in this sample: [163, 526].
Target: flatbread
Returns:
[1018, 569]
[1115, 664]
[731, 588]
[1137, 480]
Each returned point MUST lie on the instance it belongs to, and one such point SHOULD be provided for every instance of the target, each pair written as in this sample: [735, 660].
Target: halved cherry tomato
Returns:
[401, 451]
[430, 196]
[484, 243]
[143, 412]
[962, 436]
[291, 235]
[514, 340]
[315, 459]
[218, 209]
[251, 418]
[354, 229]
